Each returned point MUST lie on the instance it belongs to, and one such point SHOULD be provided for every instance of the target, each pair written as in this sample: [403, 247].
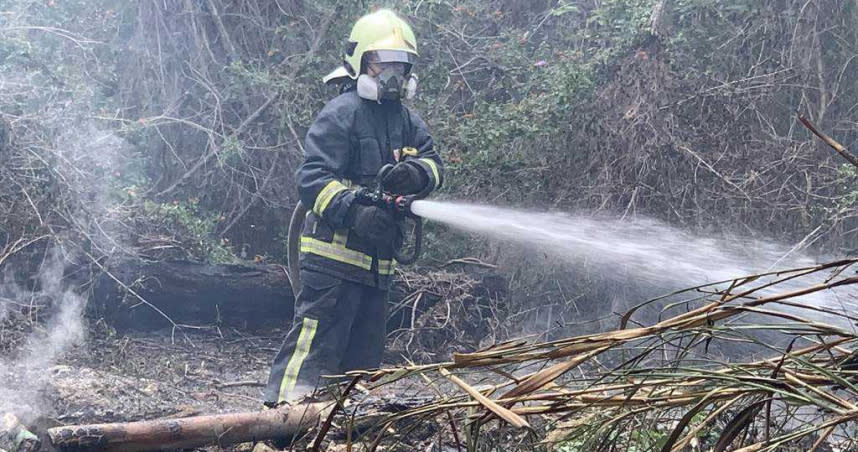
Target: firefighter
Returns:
[347, 248]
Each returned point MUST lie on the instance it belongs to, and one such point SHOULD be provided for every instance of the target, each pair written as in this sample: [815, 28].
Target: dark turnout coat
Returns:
[350, 140]
[341, 308]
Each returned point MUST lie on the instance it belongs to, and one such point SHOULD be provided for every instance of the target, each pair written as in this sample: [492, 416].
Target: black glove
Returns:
[406, 178]
[372, 223]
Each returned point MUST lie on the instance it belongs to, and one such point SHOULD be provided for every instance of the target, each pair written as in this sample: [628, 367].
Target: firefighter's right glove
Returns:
[406, 178]
[372, 223]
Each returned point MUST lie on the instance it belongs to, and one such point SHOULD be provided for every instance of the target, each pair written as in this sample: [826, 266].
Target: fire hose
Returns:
[399, 205]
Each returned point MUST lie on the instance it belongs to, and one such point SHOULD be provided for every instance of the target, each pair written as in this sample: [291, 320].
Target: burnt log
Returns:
[151, 295]
[284, 425]
[281, 424]
[189, 293]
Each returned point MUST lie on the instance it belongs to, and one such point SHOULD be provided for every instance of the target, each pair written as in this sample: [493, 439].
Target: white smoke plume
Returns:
[24, 373]
[86, 197]
[88, 159]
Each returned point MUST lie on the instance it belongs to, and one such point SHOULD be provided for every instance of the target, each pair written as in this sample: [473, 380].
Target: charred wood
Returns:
[193, 294]
[284, 424]
[279, 424]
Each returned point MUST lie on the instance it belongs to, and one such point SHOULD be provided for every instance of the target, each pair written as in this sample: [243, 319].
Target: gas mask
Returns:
[390, 84]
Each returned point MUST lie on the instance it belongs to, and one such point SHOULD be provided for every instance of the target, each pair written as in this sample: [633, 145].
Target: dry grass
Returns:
[660, 387]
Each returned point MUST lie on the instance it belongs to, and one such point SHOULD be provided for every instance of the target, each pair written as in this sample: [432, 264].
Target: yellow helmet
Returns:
[382, 33]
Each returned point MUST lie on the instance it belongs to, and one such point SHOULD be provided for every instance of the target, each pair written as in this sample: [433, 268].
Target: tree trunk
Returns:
[242, 296]
[188, 293]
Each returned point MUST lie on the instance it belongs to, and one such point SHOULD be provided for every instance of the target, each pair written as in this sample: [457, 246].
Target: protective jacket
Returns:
[351, 139]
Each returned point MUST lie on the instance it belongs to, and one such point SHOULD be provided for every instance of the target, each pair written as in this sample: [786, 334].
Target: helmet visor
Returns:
[391, 56]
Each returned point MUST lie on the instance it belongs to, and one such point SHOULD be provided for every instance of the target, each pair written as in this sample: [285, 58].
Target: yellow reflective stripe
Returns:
[302, 349]
[336, 252]
[326, 195]
[434, 167]
[386, 267]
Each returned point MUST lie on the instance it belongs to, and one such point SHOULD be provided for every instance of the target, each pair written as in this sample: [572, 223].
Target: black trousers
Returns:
[339, 326]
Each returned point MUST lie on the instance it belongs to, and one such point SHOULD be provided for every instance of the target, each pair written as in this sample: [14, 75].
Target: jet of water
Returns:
[650, 251]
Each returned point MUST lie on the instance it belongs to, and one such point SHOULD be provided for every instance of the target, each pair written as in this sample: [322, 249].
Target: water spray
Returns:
[650, 253]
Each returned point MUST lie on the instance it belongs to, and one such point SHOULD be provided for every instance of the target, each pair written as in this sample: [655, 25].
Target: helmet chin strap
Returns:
[386, 87]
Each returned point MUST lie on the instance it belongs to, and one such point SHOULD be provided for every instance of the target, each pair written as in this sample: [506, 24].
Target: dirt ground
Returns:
[137, 376]
[123, 376]
[149, 375]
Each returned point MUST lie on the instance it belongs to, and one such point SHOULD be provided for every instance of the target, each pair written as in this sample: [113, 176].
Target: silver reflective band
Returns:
[390, 56]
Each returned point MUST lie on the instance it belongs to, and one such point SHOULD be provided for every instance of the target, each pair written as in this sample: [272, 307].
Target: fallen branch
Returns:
[290, 424]
[235, 384]
[830, 141]
[689, 390]
[193, 432]
[329, 420]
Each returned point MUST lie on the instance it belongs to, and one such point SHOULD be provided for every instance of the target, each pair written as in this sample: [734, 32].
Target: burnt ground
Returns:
[125, 375]
[148, 375]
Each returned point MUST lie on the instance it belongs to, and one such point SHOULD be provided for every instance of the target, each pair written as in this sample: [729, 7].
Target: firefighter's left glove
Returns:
[406, 178]
[372, 223]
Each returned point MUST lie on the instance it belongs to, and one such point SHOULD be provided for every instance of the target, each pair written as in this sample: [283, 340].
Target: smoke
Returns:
[79, 181]
[90, 163]
[82, 194]
[24, 372]
[101, 176]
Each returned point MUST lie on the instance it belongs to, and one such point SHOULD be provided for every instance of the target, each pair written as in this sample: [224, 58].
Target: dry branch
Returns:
[676, 392]
[830, 141]
[510, 417]
[193, 432]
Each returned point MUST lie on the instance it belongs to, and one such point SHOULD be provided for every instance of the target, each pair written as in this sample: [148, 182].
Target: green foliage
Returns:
[231, 151]
[126, 184]
[548, 97]
[191, 226]
[848, 181]
[574, 445]
[564, 104]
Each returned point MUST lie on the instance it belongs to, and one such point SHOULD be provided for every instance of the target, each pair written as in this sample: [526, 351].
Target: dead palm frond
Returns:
[664, 390]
